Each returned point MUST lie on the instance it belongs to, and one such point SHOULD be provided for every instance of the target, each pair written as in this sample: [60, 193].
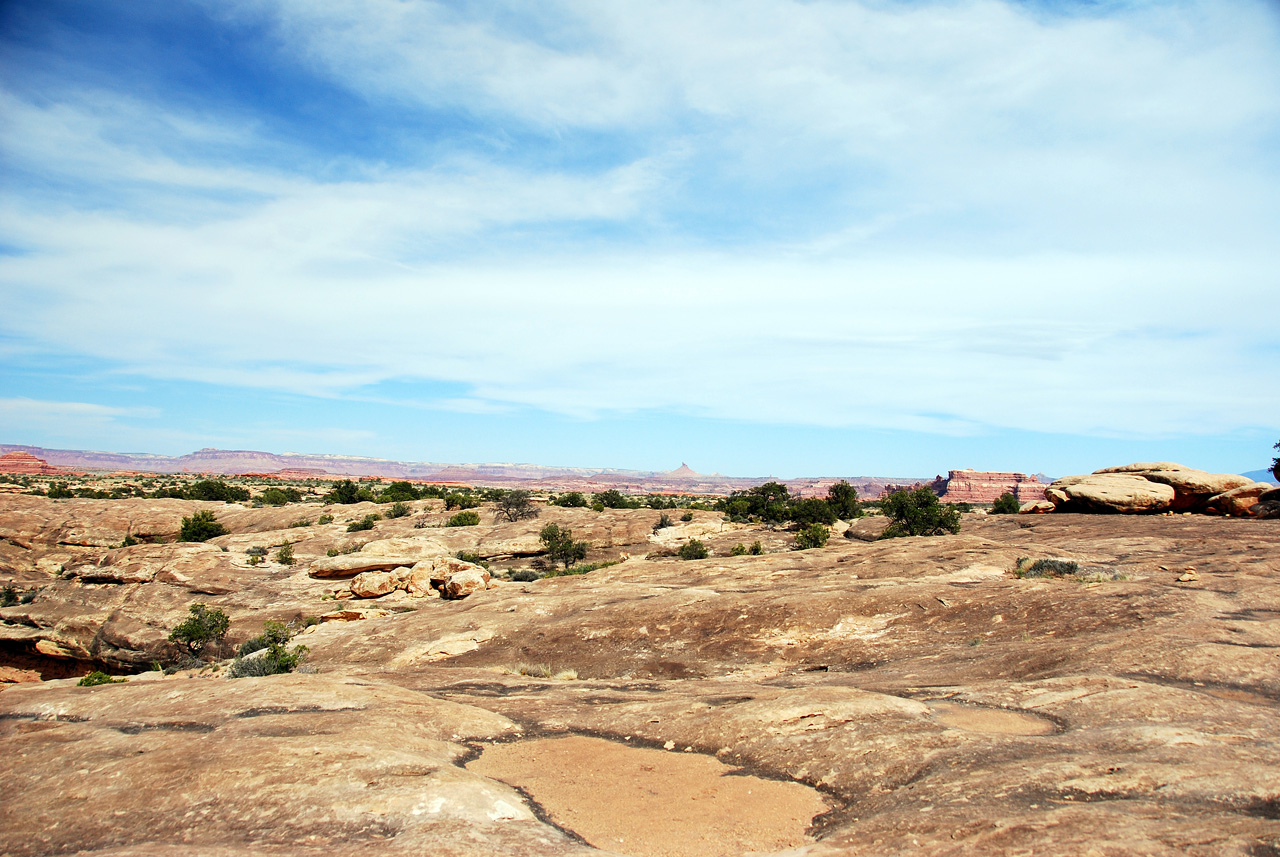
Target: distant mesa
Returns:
[26, 464]
[978, 486]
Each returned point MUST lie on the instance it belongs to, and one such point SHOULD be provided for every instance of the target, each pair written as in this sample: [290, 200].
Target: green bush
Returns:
[525, 575]
[280, 496]
[687, 517]
[615, 499]
[812, 536]
[365, 523]
[843, 500]
[917, 513]
[398, 510]
[657, 501]
[399, 492]
[571, 500]
[560, 545]
[216, 489]
[460, 501]
[463, 519]
[738, 550]
[664, 521]
[203, 625]
[59, 491]
[1005, 504]
[284, 556]
[201, 527]
[98, 677]
[301, 522]
[343, 493]
[278, 658]
[1047, 568]
[9, 597]
[811, 510]
[756, 548]
[767, 503]
[693, 549]
[325, 519]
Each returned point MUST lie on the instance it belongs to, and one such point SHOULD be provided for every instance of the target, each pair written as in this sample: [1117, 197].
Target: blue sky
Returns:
[762, 237]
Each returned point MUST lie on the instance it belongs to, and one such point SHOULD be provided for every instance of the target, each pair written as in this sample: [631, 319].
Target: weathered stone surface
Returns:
[1126, 493]
[373, 584]
[462, 583]
[1037, 507]
[349, 565]
[1144, 467]
[1238, 501]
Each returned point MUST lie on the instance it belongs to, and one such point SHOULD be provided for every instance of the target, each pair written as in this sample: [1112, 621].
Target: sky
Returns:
[763, 237]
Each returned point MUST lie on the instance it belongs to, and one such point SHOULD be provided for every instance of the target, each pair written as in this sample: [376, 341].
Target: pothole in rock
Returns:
[973, 719]
[652, 803]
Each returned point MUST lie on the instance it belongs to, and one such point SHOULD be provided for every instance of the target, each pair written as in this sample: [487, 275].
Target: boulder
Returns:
[349, 565]
[1125, 493]
[1193, 488]
[373, 584]
[1036, 507]
[1268, 505]
[462, 583]
[1238, 502]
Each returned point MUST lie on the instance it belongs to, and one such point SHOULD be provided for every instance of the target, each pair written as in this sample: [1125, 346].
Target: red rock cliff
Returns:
[976, 486]
[26, 464]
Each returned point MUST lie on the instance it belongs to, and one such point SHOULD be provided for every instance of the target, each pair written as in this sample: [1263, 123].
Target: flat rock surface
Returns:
[932, 700]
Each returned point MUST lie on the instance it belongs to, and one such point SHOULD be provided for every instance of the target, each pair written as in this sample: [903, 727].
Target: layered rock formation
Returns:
[25, 464]
[977, 486]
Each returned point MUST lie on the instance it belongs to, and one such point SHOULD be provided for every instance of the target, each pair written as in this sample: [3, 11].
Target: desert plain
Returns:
[869, 697]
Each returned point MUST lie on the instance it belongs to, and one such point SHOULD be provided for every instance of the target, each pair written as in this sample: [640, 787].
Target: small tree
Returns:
[203, 625]
[201, 527]
[843, 500]
[59, 491]
[216, 489]
[344, 493]
[615, 499]
[664, 521]
[571, 500]
[1005, 504]
[284, 556]
[277, 658]
[693, 549]
[811, 510]
[560, 545]
[812, 536]
[515, 504]
[398, 509]
[918, 513]
[401, 492]
[463, 519]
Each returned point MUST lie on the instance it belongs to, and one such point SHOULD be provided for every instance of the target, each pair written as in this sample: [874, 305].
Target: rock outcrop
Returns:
[25, 464]
[1160, 486]
[977, 486]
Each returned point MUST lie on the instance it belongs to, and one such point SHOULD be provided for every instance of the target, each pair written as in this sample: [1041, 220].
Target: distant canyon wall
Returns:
[977, 486]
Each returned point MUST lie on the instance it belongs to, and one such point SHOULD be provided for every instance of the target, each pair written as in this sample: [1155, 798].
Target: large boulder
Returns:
[1238, 502]
[462, 583]
[374, 584]
[1125, 493]
[1193, 488]
[349, 565]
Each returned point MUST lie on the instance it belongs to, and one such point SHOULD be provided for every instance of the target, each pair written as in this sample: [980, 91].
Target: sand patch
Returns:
[651, 803]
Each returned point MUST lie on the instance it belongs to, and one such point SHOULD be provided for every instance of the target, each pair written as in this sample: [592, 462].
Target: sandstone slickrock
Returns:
[1113, 492]
[942, 705]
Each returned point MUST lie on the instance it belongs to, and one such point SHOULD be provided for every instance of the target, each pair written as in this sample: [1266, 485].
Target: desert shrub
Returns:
[216, 489]
[615, 499]
[278, 658]
[344, 493]
[657, 501]
[687, 517]
[843, 500]
[1047, 568]
[515, 504]
[812, 536]
[738, 550]
[693, 549]
[398, 510]
[256, 550]
[466, 518]
[664, 521]
[59, 491]
[811, 510]
[756, 548]
[9, 597]
[571, 500]
[460, 501]
[365, 523]
[398, 492]
[301, 522]
[525, 575]
[767, 502]
[274, 496]
[560, 545]
[597, 506]
[201, 527]
[98, 677]
[284, 556]
[473, 558]
[203, 625]
[1005, 504]
[27, 597]
[917, 513]
[325, 519]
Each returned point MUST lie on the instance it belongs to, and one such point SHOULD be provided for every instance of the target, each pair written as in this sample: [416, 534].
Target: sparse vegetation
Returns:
[344, 493]
[301, 522]
[582, 568]
[813, 536]
[693, 549]
[1005, 504]
[664, 521]
[59, 491]
[325, 519]
[98, 677]
[268, 653]
[398, 510]
[9, 596]
[738, 550]
[687, 517]
[274, 496]
[463, 519]
[203, 626]
[365, 523]
[615, 499]
[399, 492]
[515, 504]
[284, 556]
[217, 490]
[917, 513]
[1046, 568]
[201, 527]
[473, 558]
[460, 501]
[571, 500]
[561, 548]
